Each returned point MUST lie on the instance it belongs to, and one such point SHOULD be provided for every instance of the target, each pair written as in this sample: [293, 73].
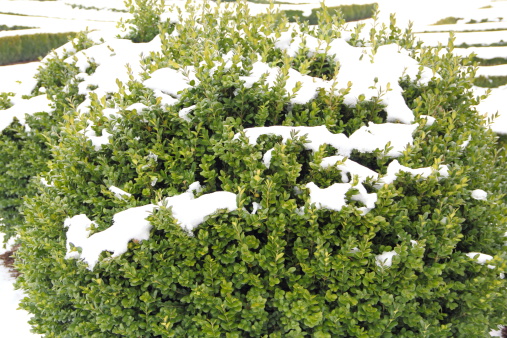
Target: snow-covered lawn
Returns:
[13, 322]
[59, 16]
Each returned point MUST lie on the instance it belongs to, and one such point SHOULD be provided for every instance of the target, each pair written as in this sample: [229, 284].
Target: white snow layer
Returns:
[119, 193]
[347, 166]
[385, 259]
[480, 257]
[365, 139]
[31, 106]
[479, 194]
[13, 321]
[131, 224]
[492, 105]
[379, 73]
[395, 168]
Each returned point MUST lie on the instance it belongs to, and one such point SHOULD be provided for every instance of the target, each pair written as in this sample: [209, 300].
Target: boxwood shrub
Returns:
[413, 264]
[32, 47]
[24, 150]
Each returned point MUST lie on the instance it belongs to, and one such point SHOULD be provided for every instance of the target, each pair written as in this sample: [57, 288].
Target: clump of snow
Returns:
[347, 166]
[97, 141]
[377, 136]
[366, 139]
[31, 106]
[190, 211]
[113, 57]
[332, 197]
[138, 107]
[479, 257]
[385, 259]
[131, 224]
[183, 113]
[479, 194]
[266, 159]
[429, 119]
[379, 74]
[171, 81]
[395, 167]
[316, 136]
[255, 207]
[119, 193]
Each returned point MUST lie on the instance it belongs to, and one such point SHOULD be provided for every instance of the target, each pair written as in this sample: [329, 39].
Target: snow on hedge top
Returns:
[127, 225]
[31, 106]
[190, 212]
[366, 139]
[369, 72]
[131, 224]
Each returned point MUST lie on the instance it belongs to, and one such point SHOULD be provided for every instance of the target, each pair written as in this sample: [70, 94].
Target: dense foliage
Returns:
[24, 152]
[278, 265]
[24, 48]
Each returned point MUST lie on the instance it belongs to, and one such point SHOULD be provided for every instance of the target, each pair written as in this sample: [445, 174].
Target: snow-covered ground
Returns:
[60, 16]
[13, 322]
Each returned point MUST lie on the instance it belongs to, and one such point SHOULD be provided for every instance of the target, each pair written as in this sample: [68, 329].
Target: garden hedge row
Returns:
[25, 48]
[348, 12]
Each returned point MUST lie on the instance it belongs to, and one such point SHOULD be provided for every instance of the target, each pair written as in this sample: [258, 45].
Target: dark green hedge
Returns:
[25, 48]
[24, 152]
[349, 13]
[490, 81]
[13, 28]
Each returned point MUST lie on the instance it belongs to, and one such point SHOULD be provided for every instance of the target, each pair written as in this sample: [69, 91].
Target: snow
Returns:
[12, 319]
[471, 38]
[97, 141]
[480, 195]
[31, 106]
[366, 139]
[172, 81]
[499, 70]
[18, 78]
[395, 168]
[190, 212]
[385, 260]
[378, 136]
[379, 76]
[132, 223]
[347, 166]
[183, 113]
[118, 192]
[332, 197]
[483, 52]
[493, 104]
[480, 257]
[113, 57]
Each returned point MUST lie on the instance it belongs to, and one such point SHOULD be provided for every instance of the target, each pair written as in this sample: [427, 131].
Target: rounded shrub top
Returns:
[241, 176]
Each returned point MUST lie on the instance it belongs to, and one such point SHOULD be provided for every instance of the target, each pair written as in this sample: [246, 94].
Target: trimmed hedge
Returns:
[348, 13]
[13, 28]
[490, 81]
[25, 48]
[450, 20]
[279, 265]
[24, 152]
